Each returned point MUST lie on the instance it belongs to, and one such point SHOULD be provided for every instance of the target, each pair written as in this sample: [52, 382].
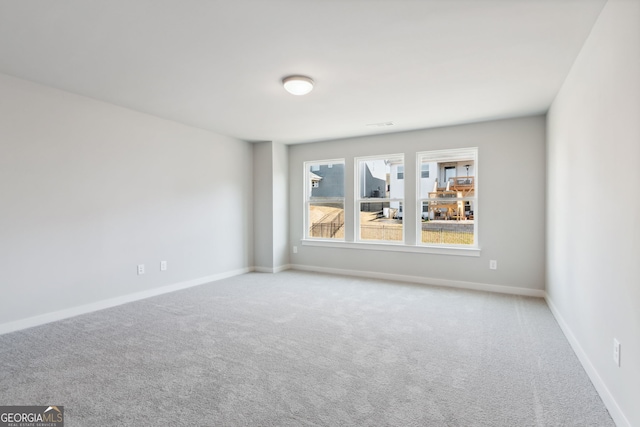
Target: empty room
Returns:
[320, 213]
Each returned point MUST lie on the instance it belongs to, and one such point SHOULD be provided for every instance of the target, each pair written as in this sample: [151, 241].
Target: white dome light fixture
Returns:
[298, 85]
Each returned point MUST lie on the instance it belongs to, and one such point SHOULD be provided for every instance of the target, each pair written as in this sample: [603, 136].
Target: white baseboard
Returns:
[272, 270]
[512, 290]
[42, 319]
[612, 406]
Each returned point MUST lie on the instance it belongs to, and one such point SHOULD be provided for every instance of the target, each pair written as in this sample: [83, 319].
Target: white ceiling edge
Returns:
[218, 65]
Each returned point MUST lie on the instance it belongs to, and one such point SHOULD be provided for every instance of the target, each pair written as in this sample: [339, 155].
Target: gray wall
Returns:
[89, 190]
[511, 173]
[593, 238]
[280, 206]
[271, 214]
[263, 204]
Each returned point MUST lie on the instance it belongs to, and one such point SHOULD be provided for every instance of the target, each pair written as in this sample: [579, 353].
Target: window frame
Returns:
[447, 156]
[412, 205]
[307, 199]
[358, 199]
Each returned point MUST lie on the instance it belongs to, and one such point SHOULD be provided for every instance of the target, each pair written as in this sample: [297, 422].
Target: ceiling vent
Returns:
[381, 124]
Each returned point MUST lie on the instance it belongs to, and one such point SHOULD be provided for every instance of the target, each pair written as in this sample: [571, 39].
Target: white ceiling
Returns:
[218, 65]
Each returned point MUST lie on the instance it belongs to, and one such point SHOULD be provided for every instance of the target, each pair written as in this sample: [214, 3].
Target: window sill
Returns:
[394, 247]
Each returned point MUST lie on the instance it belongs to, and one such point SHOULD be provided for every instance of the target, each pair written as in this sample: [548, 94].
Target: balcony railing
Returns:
[462, 184]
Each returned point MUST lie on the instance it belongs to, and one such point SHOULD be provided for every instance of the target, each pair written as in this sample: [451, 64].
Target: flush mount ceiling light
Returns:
[298, 85]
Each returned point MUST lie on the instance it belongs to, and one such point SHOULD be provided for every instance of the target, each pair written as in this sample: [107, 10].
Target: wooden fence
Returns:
[328, 227]
[381, 232]
[445, 236]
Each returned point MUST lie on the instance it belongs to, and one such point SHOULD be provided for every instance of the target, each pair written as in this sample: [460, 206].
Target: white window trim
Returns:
[442, 156]
[306, 197]
[394, 247]
[358, 200]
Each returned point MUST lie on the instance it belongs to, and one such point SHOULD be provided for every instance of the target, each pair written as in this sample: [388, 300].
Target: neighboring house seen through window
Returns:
[448, 197]
[378, 216]
[444, 206]
[324, 201]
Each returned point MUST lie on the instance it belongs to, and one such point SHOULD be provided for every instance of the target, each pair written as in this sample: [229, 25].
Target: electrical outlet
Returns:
[493, 264]
[163, 265]
[616, 352]
[295, 249]
[140, 269]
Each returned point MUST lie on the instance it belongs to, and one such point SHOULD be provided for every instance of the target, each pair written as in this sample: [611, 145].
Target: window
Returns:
[441, 204]
[424, 170]
[324, 199]
[378, 211]
[448, 197]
